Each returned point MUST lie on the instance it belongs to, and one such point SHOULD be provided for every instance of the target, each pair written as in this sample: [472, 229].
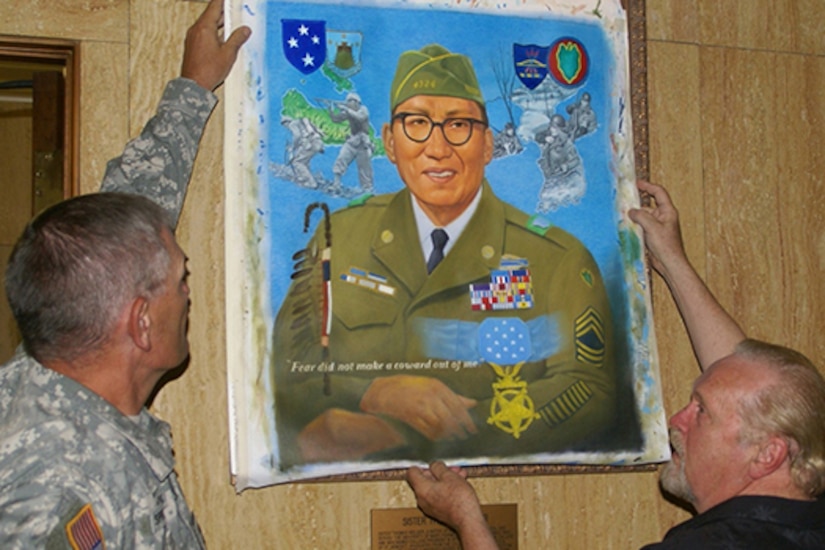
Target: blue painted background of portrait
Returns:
[282, 147]
[488, 40]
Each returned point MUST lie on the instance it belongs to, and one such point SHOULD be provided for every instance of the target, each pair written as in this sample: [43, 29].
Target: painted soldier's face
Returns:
[710, 460]
[443, 178]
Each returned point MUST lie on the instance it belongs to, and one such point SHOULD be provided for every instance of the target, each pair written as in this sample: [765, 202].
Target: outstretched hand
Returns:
[713, 332]
[660, 223]
[207, 58]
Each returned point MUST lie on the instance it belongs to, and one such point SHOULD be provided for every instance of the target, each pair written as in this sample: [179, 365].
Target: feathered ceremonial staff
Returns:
[326, 284]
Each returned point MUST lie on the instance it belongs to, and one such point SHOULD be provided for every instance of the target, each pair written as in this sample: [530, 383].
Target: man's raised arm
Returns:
[158, 163]
[713, 332]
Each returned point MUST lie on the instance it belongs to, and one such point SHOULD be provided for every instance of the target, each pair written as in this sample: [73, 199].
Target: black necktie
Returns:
[440, 238]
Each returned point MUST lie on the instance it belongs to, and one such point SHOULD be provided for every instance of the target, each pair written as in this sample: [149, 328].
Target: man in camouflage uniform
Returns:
[98, 287]
[418, 363]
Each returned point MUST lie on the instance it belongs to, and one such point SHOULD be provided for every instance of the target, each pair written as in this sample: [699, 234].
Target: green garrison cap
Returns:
[434, 70]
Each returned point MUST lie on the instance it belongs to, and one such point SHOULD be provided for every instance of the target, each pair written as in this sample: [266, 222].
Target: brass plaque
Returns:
[410, 529]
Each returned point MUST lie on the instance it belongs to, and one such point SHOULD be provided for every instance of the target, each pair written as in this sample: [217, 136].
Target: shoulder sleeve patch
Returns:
[587, 277]
[538, 224]
[83, 532]
[359, 200]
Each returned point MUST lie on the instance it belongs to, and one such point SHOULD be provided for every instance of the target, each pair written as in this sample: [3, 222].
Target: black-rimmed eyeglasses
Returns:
[418, 127]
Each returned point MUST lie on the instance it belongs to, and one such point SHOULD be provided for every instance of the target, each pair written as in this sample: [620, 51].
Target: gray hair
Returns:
[77, 265]
[792, 408]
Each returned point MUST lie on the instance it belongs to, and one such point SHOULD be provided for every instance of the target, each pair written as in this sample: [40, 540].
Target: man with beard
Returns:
[748, 449]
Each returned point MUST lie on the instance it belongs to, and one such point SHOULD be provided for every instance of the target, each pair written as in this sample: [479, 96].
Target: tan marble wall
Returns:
[737, 133]
[736, 112]
[101, 27]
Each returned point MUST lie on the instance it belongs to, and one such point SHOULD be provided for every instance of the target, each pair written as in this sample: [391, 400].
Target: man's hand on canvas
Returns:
[660, 223]
[425, 404]
[445, 494]
[713, 332]
[207, 59]
[337, 434]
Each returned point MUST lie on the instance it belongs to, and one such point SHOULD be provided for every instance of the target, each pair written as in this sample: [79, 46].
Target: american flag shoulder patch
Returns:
[84, 532]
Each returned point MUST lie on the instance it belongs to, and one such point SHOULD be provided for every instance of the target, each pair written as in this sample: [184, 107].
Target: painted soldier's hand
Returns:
[660, 223]
[337, 434]
[207, 59]
[425, 404]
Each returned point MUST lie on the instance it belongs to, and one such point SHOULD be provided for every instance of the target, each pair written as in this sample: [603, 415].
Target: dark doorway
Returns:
[38, 145]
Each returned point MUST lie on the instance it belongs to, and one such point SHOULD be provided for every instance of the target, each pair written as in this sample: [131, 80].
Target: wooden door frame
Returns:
[55, 52]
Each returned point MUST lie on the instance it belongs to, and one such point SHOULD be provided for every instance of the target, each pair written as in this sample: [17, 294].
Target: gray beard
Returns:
[672, 477]
[673, 480]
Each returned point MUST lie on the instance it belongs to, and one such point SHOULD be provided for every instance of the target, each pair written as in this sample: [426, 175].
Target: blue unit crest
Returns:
[344, 52]
[530, 62]
[304, 43]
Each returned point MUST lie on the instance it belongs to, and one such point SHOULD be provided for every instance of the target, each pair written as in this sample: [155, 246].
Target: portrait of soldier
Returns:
[440, 321]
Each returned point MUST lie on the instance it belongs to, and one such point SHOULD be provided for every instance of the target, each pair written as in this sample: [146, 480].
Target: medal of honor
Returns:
[505, 345]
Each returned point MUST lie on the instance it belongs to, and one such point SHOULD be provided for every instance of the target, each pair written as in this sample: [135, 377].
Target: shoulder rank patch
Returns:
[359, 200]
[84, 532]
[538, 224]
[587, 277]
[589, 331]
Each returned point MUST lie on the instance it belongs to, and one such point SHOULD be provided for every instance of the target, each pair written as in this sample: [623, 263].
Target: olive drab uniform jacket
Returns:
[516, 316]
